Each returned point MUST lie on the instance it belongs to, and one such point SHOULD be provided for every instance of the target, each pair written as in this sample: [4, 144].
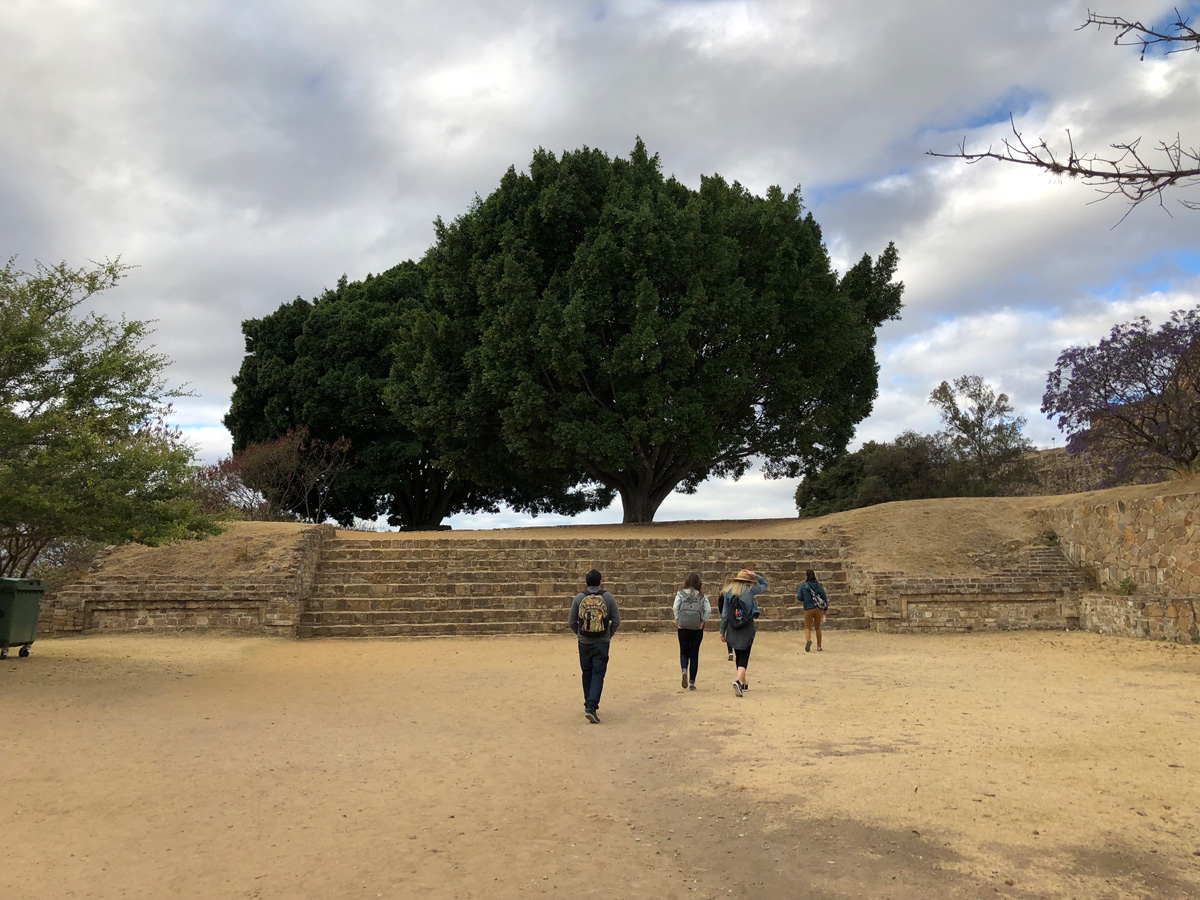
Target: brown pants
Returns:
[812, 617]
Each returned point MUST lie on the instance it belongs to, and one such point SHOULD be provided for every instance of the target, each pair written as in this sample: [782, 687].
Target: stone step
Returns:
[359, 603]
[367, 616]
[376, 573]
[578, 545]
[471, 629]
[548, 621]
[640, 591]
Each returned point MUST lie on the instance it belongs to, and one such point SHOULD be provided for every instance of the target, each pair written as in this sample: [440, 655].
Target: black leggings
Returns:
[742, 657]
[689, 649]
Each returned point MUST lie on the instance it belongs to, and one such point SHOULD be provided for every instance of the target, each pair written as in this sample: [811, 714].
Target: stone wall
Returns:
[1130, 616]
[399, 586]
[391, 586]
[1042, 593]
[1152, 541]
[271, 604]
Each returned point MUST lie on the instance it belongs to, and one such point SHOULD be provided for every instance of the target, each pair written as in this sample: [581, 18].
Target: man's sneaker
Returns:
[691, 685]
[807, 646]
[592, 717]
[737, 688]
[731, 655]
[683, 682]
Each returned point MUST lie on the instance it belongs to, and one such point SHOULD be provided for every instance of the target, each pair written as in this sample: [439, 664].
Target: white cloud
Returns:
[244, 154]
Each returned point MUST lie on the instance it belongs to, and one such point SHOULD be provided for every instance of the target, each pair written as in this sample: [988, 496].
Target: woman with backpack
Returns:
[816, 602]
[691, 611]
[738, 612]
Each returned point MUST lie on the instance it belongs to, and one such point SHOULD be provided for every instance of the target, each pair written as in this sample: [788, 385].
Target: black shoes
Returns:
[683, 682]
[807, 646]
[592, 717]
[737, 688]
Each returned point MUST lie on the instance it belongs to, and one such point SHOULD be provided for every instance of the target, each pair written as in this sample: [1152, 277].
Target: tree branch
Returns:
[1126, 174]
[1130, 34]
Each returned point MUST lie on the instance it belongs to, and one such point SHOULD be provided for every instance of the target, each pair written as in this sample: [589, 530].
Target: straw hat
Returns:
[747, 576]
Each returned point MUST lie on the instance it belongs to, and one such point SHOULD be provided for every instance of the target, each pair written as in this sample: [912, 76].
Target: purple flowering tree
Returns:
[1133, 401]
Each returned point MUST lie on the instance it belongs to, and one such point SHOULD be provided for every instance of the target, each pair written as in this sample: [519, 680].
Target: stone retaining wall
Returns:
[1041, 593]
[381, 586]
[271, 604]
[1153, 541]
[1127, 616]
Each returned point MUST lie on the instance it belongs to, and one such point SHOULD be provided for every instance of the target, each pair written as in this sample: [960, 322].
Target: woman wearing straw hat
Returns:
[738, 612]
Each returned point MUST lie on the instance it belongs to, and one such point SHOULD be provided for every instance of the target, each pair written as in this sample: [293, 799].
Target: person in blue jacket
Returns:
[814, 612]
[739, 636]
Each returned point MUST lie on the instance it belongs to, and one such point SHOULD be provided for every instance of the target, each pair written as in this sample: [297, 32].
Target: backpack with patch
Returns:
[741, 613]
[821, 602]
[593, 615]
[691, 611]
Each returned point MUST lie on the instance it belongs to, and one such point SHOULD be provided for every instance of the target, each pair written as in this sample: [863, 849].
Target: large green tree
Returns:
[322, 367]
[594, 316]
[84, 451]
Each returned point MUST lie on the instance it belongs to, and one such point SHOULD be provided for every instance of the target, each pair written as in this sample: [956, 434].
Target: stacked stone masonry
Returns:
[271, 604]
[1126, 616]
[1042, 593]
[1152, 542]
[391, 587]
[1149, 546]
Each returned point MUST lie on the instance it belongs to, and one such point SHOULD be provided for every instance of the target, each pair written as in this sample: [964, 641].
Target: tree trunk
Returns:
[640, 502]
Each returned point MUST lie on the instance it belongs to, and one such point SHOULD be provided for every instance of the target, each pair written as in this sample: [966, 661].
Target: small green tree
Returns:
[85, 453]
[984, 435]
[912, 467]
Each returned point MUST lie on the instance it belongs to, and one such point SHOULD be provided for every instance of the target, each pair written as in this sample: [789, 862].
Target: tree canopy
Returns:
[321, 367]
[1132, 401]
[985, 437]
[598, 319]
[912, 467]
[84, 450]
[981, 451]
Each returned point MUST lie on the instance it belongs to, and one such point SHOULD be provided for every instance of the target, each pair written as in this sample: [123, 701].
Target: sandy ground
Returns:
[1011, 765]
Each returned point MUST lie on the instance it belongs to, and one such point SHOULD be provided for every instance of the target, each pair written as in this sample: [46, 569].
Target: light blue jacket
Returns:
[750, 594]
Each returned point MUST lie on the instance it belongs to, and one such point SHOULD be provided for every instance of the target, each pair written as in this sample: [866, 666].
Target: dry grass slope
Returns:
[951, 537]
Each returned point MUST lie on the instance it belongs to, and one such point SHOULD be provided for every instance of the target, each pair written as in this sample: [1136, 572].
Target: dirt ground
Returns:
[1021, 765]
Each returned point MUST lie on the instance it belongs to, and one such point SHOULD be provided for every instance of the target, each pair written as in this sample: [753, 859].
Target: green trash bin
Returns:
[20, 606]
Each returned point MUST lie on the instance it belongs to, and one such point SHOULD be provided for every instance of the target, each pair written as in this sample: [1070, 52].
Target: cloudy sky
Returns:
[243, 153]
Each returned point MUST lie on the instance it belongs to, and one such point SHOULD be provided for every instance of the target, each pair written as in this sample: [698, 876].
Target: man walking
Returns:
[594, 619]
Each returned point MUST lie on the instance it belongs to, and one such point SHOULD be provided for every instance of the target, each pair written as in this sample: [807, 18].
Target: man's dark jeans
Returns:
[593, 661]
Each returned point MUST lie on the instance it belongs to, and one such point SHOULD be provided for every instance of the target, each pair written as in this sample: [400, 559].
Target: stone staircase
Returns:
[387, 586]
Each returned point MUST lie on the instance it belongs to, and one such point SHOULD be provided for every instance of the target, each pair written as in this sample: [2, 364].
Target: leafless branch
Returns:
[1126, 173]
[1130, 34]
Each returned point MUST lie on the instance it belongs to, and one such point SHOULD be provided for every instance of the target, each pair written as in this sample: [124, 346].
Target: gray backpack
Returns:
[691, 611]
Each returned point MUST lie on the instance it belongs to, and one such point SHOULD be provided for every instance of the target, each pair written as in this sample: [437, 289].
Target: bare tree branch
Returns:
[1126, 172]
[1147, 37]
